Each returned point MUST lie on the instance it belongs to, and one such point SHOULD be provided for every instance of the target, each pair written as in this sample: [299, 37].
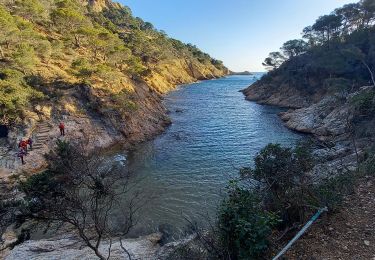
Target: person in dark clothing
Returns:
[30, 143]
[21, 154]
[62, 129]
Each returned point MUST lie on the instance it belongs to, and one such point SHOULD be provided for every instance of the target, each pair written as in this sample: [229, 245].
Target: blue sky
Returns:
[239, 32]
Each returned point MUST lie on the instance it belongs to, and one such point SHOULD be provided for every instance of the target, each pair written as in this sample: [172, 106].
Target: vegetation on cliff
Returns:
[49, 46]
[336, 55]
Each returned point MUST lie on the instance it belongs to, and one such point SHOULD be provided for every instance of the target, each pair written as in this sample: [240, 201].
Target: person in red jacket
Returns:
[62, 128]
[23, 145]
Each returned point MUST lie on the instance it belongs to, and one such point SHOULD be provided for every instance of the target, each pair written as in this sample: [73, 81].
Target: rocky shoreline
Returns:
[93, 132]
[326, 120]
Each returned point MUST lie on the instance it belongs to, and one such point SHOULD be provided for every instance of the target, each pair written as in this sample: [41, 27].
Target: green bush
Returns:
[15, 95]
[123, 101]
[281, 175]
[364, 102]
[276, 193]
[245, 226]
[37, 185]
[83, 68]
[331, 192]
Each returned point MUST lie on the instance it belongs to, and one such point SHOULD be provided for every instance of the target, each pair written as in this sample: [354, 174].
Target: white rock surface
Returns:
[69, 247]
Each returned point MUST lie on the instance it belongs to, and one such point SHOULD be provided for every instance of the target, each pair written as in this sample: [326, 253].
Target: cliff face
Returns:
[181, 71]
[99, 5]
[93, 65]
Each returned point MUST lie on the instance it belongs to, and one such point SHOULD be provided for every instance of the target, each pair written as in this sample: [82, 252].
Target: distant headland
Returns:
[240, 73]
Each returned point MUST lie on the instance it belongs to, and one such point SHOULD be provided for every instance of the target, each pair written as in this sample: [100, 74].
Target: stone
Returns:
[70, 247]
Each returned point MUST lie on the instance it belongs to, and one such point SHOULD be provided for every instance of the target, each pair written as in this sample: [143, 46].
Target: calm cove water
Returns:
[214, 132]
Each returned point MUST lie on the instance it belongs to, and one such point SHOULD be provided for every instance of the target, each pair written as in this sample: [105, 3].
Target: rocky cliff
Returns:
[342, 132]
[92, 65]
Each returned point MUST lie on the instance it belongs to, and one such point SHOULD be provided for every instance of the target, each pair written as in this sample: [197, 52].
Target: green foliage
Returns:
[43, 36]
[340, 45]
[24, 58]
[244, 225]
[368, 165]
[123, 101]
[331, 192]
[277, 193]
[83, 68]
[340, 86]
[135, 66]
[51, 184]
[31, 10]
[15, 95]
[282, 173]
[274, 60]
[294, 48]
[122, 17]
[353, 52]
[364, 102]
[36, 186]
[70, 20]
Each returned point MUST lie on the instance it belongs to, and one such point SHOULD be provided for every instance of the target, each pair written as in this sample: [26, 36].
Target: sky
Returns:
[241, 33]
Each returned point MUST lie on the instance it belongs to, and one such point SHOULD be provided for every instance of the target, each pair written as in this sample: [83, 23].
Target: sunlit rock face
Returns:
[98, 5]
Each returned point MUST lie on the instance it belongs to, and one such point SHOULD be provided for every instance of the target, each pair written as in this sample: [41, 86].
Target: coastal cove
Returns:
[214, 132]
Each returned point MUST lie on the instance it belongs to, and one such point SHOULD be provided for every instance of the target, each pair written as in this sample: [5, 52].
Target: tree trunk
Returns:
[370, 71]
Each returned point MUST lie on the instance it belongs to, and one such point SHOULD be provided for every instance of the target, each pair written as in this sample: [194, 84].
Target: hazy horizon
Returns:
[240, 34]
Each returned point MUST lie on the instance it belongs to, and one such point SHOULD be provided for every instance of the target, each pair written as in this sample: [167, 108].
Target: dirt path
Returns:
[348, 234]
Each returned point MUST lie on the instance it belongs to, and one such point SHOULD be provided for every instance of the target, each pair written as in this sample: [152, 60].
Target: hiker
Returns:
[21, 154]
[30, 143]
[62, 129]
[23, 144]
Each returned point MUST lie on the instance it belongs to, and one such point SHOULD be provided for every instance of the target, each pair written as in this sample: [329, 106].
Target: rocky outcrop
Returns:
[283, 96]
[99, 5]
[70, 247]
[325, 119]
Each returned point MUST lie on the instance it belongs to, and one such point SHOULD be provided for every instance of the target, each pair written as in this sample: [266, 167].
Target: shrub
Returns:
[123, 101]
[245, 226]
[364, 102]
[281, 176]
[331, 192]
[36, 186]
[83, 69]
[15, 95]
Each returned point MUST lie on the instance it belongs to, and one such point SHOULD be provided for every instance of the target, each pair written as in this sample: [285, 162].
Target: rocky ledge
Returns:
[70, 247]
[282, 96]
[327, 120]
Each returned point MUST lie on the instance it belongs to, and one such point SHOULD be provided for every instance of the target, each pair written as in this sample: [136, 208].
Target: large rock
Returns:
[70, 247]
[325, 119]
[283, 95]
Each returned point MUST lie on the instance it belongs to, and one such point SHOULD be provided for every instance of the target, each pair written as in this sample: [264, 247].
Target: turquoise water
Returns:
[214, 132]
